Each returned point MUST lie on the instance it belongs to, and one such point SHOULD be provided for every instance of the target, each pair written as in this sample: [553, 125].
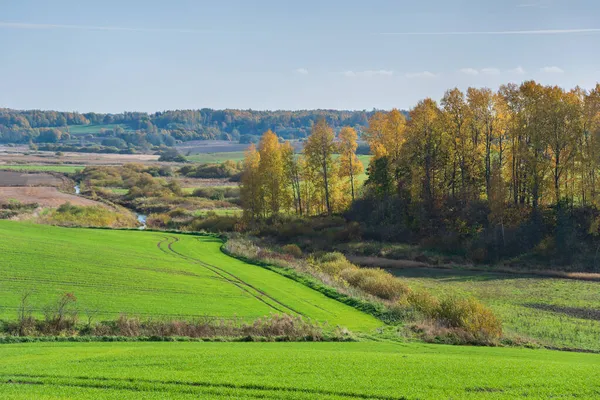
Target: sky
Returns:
[149, 55]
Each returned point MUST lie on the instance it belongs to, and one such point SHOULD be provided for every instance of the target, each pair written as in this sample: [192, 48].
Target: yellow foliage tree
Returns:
[350, 165]
[272, 174]
[251, 193]
[319, 150]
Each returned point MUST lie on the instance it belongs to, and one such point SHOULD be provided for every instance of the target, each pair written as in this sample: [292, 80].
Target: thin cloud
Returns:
[519, 71]
[537, 4]
[553, 70]
[33, 26]
[488, 33]
[490, 71]
[469, 71]
[28, 26]
[301, 71]
[368, 74]
[424, 74]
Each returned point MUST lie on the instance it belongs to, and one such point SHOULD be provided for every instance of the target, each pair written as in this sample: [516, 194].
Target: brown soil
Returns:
[18, 156]
[14, 178]
[44, 196]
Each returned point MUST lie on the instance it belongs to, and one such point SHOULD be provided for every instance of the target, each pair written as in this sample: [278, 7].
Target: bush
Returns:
[293, 250]
[454, 312]
[99, 216]
[376, 282]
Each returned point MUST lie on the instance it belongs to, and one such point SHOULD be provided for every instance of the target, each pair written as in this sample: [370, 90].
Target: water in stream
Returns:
[142, 220]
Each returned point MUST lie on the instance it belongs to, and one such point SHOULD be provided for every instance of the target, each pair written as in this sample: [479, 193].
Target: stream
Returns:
[142, 220]
[140, 217]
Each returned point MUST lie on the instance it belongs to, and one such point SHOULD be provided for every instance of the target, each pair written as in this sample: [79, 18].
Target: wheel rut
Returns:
[258, 294]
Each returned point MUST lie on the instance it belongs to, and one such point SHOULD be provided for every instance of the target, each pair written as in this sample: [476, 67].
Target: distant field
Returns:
[558, 312]
[44, 196]
[221, 211]
[51, 168]
[151, 274]
[78, 130]
[301, 371]
[17, 178]
[207, 158]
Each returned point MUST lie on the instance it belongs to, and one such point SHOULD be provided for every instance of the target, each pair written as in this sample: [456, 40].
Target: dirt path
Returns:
[387, 263]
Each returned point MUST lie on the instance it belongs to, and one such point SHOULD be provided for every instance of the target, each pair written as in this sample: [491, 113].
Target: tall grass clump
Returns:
[454, 319]
[465, 319]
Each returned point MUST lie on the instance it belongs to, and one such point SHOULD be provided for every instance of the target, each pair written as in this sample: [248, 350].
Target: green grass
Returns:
[221, 211]
[151, 274]
[208, 158]
[119, 191]
[78, 130]
[555, 312]
[292, 371]
[44, 168]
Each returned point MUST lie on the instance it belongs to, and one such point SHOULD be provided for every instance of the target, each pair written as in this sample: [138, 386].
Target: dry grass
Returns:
[44, 196]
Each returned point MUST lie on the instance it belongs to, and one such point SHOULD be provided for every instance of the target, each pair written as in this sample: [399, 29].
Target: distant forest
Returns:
[140, 130]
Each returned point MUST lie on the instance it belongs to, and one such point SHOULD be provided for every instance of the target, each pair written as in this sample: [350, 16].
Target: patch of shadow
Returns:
[577, 312]
[484, 390]
[22, 382]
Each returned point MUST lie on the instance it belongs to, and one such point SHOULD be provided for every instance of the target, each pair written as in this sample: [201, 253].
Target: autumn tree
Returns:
[319, 150]
[350, 165]
[251, 192]
[293, 174]
[272, 173]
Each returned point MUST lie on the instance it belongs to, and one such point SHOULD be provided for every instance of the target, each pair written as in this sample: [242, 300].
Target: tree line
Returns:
[206, 124]
[477, 163]
[322, 180]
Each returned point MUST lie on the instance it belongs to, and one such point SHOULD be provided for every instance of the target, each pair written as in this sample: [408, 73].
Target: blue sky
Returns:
[112, 56]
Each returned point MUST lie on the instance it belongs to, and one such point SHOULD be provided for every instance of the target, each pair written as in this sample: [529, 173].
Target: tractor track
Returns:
[228, 276]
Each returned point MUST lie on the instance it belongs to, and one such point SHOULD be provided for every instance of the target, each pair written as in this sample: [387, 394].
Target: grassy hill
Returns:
[555, 312]
[150, 274]
[292, 371]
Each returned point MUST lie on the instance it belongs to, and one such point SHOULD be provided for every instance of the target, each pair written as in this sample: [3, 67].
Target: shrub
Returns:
[293, 250]
[70, 215]
[61, 315]
[331, 263]
[377, 282]
[424, 302]
[467, 314]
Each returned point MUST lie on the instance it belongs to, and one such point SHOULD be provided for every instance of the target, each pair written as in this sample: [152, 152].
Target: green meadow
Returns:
[209, 158]
[151, 274]
[552, 311]
[292, 371]
[71, 169]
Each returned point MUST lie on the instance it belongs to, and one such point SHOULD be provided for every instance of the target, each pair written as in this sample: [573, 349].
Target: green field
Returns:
[44, 168]
[556, 312]
[221, 212]
[208, 158]
[292, 371]
[79, 130]
[151, 274]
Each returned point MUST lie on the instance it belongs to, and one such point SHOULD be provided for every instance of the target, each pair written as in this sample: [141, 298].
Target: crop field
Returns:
[44, 196]
[208, 158]
[292, 371]
[48, 167]
[556, 312]
[151, 274]
[78, 130]
[16, 178]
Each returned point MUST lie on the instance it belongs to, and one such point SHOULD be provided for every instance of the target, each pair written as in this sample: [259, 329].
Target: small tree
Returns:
[62, 314]
[24, 313]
